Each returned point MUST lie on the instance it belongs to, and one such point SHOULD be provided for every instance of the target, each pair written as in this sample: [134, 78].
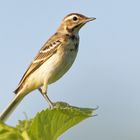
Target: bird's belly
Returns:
[60, 65]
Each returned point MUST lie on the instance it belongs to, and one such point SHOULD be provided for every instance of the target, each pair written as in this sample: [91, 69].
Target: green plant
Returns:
[49, 124]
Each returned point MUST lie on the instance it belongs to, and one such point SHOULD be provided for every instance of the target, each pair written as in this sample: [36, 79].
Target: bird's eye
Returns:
[75, 18]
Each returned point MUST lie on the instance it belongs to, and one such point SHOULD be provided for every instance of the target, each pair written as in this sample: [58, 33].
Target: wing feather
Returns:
[44, 54]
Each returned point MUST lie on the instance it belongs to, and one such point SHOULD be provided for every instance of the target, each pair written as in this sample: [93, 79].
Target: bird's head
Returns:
[73, 22]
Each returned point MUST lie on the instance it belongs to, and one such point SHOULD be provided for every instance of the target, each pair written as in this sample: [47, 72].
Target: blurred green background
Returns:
[106, 72]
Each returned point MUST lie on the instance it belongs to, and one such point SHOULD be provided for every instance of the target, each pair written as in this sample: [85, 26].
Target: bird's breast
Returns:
[63, 60]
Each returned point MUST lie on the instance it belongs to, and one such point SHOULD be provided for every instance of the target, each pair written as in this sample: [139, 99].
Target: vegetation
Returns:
[49, 124]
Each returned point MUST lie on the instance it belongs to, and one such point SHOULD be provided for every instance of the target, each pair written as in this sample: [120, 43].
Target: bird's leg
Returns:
[43, 91]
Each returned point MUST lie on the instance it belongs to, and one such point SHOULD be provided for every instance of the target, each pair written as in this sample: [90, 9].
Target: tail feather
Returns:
[10, 108]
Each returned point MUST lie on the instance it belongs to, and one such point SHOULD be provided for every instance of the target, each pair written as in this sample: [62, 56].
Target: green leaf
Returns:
[49, 124]
[9, 133]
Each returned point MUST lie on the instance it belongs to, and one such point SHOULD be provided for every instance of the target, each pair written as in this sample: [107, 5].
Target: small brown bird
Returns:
[52, 62]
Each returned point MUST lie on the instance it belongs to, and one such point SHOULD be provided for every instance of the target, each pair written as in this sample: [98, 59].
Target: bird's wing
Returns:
[44, 54]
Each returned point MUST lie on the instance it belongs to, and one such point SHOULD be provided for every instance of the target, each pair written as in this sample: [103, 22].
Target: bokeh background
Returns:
[106, 72]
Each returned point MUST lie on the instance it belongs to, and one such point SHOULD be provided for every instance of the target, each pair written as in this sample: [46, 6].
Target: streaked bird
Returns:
[52, 61]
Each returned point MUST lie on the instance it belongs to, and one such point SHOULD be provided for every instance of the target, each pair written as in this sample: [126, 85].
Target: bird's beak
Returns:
[87, 19]
[90, 19]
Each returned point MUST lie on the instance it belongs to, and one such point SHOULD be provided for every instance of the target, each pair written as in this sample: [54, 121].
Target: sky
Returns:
[106, 72]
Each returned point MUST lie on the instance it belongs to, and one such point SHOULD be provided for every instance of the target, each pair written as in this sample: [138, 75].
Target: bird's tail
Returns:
[10, 108]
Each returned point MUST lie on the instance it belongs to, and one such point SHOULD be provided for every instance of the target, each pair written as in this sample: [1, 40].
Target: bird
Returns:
[53, 60]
